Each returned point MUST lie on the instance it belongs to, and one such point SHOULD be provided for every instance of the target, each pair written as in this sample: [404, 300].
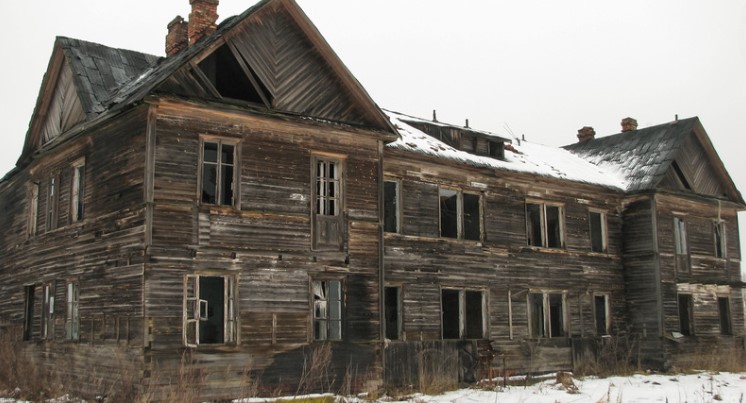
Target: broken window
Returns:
[77, 191]
[544, 225]
[33, 209]
[460, 215]
[546, 315]
[392, 312]
[496, 149]
[718, 229]
[598, 231]
[28, 311]
[218, 172]
[686, 317]
[327, 310]
[328, 198]
[680, 243]
[391, 206]
[724, 312]
[47, 310]
[462, 314]
[210, 315]
[51, 216]
[72, 315]
[601, 310]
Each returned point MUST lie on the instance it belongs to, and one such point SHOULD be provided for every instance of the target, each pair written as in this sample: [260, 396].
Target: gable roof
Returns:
[644, 156]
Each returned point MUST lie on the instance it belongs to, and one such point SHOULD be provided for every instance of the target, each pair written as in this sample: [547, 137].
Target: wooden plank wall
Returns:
[265, 242]
[103, 253]
[501, 265]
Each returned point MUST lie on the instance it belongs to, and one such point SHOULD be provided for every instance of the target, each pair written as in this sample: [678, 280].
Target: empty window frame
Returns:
[210, 310]
[72, 312]
[726, 327]
[327, 309]
[718, 231]
[496, 149]
[328, 189]
[77, 191]
[392, 313]
[686, 315]
[544, 225]
[602, 313]
[598, 231]
[680, 244]
[547, 315]
[52, 198]
[28, 311]
[462, 314]
[391, 206]
[460, 215]
[33, 209]
[218, 172]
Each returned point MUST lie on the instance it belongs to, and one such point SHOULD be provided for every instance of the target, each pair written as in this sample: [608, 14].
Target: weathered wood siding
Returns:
[265, 242]
[501, 265]
[102, 254]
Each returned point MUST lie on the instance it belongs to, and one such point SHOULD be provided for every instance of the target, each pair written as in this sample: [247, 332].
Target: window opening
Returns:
[78, 192]
[496, 149]
[51, 216]
[598, 231]
[210, 312]
[460, 215]
[218, 173]
[546, 315]
[33, 214]
[226, 74]
[724, 312]
[719, 238]
[72, 317]
[686, 318]
[544, 225]
[392, 312]
[680, 176]
[680, 242]
[391, 206]
[601, 311]
[327, 310]
[328, 225]
[462, 314]
[28, 319]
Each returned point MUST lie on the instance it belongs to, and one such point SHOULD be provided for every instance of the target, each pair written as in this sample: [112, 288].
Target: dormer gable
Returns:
[271, 57]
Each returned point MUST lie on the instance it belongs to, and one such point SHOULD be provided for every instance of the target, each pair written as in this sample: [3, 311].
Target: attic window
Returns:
[496, 149]
[232, 78]
[680, 176]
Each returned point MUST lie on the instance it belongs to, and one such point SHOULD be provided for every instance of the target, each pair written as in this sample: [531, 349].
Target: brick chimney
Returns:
[585, 134]
[202, 19]
[177, 38]
[629, 124]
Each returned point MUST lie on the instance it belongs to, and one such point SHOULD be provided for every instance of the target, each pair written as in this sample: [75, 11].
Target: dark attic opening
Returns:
[233, 78]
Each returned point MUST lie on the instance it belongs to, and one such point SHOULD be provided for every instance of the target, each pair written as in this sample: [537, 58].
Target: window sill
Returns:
[217, 209]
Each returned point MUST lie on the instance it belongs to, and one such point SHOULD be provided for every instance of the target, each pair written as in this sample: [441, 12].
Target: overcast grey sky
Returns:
[543, 68]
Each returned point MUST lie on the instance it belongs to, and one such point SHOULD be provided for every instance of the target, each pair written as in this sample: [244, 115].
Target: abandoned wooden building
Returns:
[243, 202]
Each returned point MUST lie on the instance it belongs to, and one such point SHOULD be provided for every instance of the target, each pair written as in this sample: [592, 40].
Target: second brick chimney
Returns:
[178, 36]
[586, 134]
[202, 19]
[629, 124]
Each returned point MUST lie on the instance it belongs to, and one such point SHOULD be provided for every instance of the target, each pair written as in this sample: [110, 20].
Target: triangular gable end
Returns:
[274, 57]
[58, 106]
[697, 167]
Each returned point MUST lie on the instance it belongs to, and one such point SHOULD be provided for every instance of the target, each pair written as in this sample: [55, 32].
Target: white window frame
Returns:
[195, 310]
[33, 209]
[323, 307]
[681, 244]
[72, 313]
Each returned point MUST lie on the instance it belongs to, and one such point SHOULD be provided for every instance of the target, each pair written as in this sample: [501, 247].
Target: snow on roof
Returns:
[529, 157]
